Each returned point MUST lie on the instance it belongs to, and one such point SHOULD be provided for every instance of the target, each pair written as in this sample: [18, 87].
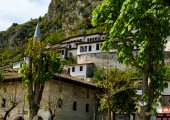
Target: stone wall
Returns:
[70, 93]
[101, 59]
[54, 90]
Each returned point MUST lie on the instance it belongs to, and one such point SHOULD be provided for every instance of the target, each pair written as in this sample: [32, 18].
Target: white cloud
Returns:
[20, 11]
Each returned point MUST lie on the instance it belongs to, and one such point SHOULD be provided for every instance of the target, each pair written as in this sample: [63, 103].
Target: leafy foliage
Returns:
[44, 63]
[1, 76]
[138, 30]
[158, 82]
[136, 23]
[40, 69]
[69, 61]
[117, 85]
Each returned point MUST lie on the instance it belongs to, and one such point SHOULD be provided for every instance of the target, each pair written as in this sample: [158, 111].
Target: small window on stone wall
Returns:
[87, 107]
[74, 106]
[60, 103]
[87, 93]
[3, 103]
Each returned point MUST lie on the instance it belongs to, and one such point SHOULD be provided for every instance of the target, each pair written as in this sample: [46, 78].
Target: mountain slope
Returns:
[64, 18]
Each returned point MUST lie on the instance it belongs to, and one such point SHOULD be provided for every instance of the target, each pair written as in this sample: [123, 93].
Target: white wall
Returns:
[63, 45]
[73, 52]
[76, 38]
[93, 48]
[64, 53]
[73, 45]
[77, 71]
[167, 47]
[16, 65]
[91, 36]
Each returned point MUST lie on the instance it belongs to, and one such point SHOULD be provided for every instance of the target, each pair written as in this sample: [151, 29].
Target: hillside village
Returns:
[71, 94]
[74, 82]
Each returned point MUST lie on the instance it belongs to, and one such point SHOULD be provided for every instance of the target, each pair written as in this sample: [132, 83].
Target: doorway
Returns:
[19, 118]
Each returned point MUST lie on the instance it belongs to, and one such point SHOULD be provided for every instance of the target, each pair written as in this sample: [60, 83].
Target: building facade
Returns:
[64, 96]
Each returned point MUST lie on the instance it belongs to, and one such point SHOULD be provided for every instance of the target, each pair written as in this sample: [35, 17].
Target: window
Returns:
[62, 52]
[69, 46]
[68, 70]
[90, 48]
[60, 103]
[85, 48]
[74, 106]
[81, 49]
[70, 54]
[81, 68]
[91, 39]
[97, 47]
[87, 107]
[98, 38]
[3, 102]
[73, 69]
[87, 93]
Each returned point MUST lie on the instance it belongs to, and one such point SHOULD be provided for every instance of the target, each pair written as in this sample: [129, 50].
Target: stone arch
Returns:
[45, 115]
[40, 118]
[18, 118]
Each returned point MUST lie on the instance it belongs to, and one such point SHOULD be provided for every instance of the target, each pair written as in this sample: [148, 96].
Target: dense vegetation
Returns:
[137, 24]
[118, 93]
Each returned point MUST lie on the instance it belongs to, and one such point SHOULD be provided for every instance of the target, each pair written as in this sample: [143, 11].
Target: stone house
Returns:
[68, 97]
[86, 48]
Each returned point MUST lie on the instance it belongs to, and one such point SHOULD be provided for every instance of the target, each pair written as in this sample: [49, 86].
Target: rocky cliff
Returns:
[64, 18]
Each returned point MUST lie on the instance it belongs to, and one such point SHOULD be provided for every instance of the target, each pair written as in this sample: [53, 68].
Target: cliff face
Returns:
[74, 14]
[64, 18]
[68, 15]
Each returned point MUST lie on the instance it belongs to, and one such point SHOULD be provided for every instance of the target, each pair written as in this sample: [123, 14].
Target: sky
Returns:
[21, 11]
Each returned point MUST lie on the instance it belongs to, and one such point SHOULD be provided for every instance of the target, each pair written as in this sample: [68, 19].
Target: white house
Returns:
[69, 46]
[16, 65]
[63, 51]
[89, 47]
[81, 70]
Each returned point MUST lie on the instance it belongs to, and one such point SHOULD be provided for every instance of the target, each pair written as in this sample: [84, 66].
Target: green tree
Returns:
[42, 65]
[118, 90]
[140, 24]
